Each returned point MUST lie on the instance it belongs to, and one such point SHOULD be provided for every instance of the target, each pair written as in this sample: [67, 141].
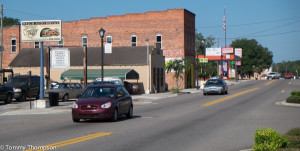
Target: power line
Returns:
[255, 23]
[288, 32]
[20, 12]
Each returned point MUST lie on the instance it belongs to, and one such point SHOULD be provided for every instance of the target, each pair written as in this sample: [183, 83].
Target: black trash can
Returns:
[54, 99]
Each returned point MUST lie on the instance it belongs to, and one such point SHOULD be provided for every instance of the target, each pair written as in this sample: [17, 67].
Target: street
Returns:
[189, 122]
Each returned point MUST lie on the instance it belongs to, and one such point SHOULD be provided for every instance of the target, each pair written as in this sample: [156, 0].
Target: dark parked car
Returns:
[66, 90]
[103, 102]
[20, 85]
[131, 88]
[215, 86]
[6, 94]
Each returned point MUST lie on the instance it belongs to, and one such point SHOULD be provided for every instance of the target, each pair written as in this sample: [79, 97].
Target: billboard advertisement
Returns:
[213, 52]
[41, 30]
[227, 50]
[60, 58]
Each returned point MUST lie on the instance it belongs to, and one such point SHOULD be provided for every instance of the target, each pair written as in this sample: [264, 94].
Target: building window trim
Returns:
[13, 47]
[36, 44]
[84, 43]
[158, 42]
[133, 40]
[107, 39]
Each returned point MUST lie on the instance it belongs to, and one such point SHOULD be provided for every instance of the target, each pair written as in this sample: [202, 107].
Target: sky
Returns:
[274, 24]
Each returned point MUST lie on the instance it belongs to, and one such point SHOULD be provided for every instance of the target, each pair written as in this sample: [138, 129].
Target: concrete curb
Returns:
[287, 104]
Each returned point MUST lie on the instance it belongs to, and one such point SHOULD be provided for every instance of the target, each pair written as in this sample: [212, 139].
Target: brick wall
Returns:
[176, 26]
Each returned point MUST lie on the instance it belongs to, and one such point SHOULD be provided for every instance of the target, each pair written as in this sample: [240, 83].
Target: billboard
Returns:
[213, 52]
[227, 50]
[41, 30]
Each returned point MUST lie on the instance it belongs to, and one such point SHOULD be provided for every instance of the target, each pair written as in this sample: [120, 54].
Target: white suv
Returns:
[273, 75]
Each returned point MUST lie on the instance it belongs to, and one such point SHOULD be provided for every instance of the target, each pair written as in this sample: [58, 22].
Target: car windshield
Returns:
[60, 85]
[99, 92]
[214, 82]
[18, 81]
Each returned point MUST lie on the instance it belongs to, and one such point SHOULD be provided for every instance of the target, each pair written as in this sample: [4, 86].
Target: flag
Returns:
[224, 22]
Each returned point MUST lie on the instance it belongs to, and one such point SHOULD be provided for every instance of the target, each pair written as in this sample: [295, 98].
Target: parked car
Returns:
[288, 76]
[131, 88]
[115, 80]
[20, 85]
[273, 75]
[6, 94]
[103, 102]
[65, 90]
[217, 86]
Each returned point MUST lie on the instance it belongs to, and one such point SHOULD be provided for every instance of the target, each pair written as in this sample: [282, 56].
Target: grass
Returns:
[293, 136]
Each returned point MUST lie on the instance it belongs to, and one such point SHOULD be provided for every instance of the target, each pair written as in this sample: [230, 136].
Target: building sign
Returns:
[238, 63]
[41, 30]
[225, 67]
[227, 50]
[203, 60]
[108, 48]
[238, 52]
[60, 58]
[213, 52]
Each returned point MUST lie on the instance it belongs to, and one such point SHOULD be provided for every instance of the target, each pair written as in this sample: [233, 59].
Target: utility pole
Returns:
[1, 43]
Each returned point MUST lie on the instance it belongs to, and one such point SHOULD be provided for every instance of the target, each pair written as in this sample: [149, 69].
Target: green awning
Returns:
[92, 74]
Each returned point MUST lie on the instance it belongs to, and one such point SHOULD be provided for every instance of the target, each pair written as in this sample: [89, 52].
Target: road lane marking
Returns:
[270, 82]
[76, 140]
[229, 97]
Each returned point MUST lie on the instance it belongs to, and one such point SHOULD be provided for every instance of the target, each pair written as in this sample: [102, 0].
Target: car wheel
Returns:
[23, 98]
[65, 98]
[223, 92]
[204, 93]
[8, 99]
[76, 120]
[130, 112]
[114, 118]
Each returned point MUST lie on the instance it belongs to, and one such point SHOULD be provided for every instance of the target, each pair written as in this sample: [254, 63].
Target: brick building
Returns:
[172, 30]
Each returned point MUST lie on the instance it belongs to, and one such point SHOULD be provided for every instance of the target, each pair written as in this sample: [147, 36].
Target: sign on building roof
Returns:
[213, 51]
[41, 30]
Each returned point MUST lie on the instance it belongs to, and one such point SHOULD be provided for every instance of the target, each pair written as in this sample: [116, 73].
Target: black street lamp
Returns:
[102, 32]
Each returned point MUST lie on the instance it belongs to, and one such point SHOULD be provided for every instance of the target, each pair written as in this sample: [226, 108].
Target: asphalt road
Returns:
[190, 122]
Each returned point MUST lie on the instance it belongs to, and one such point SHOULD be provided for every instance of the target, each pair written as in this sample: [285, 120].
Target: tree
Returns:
[8, 21]
[178, 66]
[255, 56]
[201, 43]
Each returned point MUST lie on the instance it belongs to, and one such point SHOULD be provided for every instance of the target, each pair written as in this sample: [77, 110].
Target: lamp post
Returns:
[102, 32]
[204, 44]
[147, 90]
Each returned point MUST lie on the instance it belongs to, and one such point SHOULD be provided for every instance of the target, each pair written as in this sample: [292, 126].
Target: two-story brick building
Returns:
[172, 30]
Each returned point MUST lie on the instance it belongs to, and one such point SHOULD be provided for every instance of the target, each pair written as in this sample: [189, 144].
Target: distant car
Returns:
[288, 76]
[131, 88]
[273, 75]
[20, 85]
[115, 80]
[215, 86]
[103, 102]
[65, 90]
[6, 94]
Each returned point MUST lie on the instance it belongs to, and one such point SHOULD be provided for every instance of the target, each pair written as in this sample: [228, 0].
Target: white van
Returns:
[116, 80]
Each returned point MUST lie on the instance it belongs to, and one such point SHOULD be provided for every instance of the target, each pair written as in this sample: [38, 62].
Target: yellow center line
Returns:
[270, 82]
[75, 140]
[229, 97]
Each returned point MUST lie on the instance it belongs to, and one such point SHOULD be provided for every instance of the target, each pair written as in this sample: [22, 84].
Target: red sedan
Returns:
[103, 102]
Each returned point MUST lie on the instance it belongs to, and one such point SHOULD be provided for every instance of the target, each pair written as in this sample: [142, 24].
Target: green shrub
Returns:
[175, 90]
[295, 93]
[293, 99]
[268, 140]
[293, 136]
